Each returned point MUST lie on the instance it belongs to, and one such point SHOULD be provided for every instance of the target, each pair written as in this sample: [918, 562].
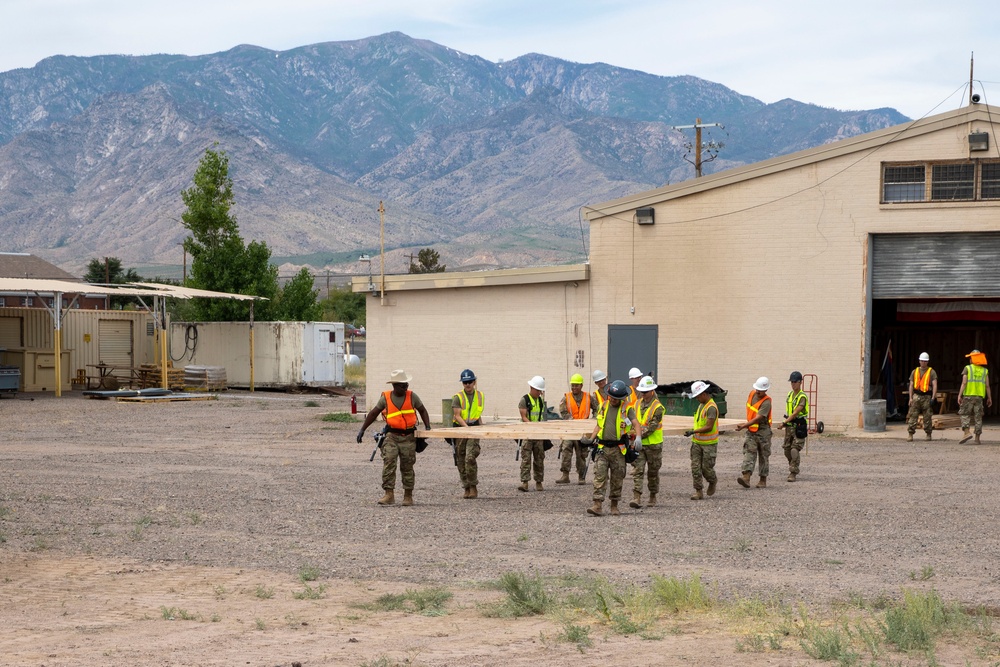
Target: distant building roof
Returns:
[23, 265]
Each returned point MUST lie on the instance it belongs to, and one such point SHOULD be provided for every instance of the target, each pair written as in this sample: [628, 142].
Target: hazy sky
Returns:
[850, 54]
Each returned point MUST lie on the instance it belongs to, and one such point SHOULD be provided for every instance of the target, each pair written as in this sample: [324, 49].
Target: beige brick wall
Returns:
[505, 334]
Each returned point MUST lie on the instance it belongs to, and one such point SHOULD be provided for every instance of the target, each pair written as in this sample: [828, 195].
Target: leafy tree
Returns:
[344, 305]
[110, 271]
[219, 259]
[427, 262]
[297, 300]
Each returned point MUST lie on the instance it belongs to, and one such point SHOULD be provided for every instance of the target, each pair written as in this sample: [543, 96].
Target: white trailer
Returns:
[285, 354]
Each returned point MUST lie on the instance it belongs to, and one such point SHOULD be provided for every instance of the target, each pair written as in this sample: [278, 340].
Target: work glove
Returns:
[587, 442]
[637, 445]
[688, 434]
[361, 436]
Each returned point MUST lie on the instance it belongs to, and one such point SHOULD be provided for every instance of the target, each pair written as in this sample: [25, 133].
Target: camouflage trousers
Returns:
[402, 449]
[757, 451]
[648, 464]
[792, 447]
[971, 412]
[532, 460]
[609, 465]
[466, 453]
[703, 464]
[569, 449]
[920, 406]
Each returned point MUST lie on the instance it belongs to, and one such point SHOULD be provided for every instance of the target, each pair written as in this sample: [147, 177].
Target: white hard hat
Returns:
[698, 387]
[634, 373]
[762, 384]
[537, 382]
[647, 384]
[599, 375]
[924, 356]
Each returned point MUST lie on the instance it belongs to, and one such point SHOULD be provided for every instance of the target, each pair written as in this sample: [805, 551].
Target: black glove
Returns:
[361, 436]
[688, 434]
[593, 453]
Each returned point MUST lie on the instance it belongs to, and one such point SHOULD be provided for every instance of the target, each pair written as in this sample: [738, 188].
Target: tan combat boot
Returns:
[582, 480]
[466, 494]
[652, 500]
[538, 486]
[791, 477]
[976, 441]
[762, 484]
[473, 493]
[564, 479]
[636, 497]
[929, 437]
[966, 436]
[696, 495]
[388, 499]
[614, 509]
[744, 480]
[523, 487]
[711, 489]
[407, 497]
[909, 437]
[596, 509]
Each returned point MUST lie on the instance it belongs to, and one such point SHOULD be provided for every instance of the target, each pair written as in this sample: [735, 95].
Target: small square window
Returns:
[28, 301]
[903, 183]
[953, 182]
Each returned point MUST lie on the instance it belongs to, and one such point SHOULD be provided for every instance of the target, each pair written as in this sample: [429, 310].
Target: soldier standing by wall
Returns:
[532, 408]
[649, 414]
[600, 394]
[616, 426]
[923, 387]
[975, 388]
[575, 404]
[467, 410]
[757, 443]
[796, 424]
[401, 407]
[704, 440]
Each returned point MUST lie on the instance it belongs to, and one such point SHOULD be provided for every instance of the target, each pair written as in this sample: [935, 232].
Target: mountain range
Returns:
[489, 163]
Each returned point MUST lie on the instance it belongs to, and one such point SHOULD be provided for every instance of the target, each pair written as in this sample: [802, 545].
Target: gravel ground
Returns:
[113, 513]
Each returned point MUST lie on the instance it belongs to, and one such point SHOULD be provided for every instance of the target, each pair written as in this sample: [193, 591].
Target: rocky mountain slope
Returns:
[488, 162]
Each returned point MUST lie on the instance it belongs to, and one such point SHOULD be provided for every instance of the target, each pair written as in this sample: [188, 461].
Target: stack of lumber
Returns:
[572, 429]
[951, 420]
[204, 378]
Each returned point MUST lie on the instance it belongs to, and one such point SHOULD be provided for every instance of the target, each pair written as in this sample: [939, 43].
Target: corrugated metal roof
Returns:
[189, 292]
[38, 285]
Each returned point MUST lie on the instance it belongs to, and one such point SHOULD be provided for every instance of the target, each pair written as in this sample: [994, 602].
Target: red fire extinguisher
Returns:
[354, 404]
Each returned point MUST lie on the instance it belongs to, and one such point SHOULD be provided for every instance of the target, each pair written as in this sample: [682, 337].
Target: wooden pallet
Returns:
[571, 429]
[939, 422]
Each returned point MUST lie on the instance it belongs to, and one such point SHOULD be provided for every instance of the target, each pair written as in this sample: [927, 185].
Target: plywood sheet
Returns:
[572, 429]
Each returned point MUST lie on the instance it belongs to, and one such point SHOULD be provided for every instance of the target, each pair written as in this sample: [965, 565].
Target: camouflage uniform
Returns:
[920, 405]
[466, 452]
[971, 412]
[793, 445]
[571, 449]
[650, 458]
[609, 463]
[703, 456]
[757, 445]
[532, 451]
[401, 448]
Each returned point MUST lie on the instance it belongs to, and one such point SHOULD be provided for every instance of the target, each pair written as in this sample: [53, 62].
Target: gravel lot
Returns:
[259, 483]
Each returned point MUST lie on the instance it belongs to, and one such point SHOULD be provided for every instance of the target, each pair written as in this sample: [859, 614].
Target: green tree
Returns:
[427, 262]
[110, 271]
[345, 305]
[219, 259]
[297, 300]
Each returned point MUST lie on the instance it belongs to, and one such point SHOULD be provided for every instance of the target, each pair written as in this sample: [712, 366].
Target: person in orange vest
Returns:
[467, 410]
[649, 413]
[757, 443]
[401, 407]
[704, 440]
[923, 387]
[575, 404]
[600, 394]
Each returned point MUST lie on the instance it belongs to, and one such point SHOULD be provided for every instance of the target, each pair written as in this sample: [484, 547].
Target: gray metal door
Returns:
[958, 265]
[632, 345]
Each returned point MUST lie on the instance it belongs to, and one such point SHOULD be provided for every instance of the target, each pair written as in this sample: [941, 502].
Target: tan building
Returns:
[812, 261]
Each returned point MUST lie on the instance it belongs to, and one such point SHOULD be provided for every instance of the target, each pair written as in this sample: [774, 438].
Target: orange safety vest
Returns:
[633, 397]
[581, 411]
[753, 409]
[922, 384]
[404, 418]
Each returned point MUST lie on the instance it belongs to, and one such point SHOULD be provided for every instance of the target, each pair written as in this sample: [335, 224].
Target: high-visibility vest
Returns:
[600, 396]
[633, 397]
[793, 400]
[622, 426]
[922, 384]
[536, 408]
[405, 417]
[975, 381]
[471, 410]
[701, 421]
[581, 410]
[654, 437]
[754, 408]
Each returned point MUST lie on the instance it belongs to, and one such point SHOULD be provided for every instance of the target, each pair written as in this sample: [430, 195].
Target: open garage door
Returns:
[936, 293]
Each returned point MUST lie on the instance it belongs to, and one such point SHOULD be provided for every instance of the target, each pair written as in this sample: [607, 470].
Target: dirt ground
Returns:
[176, 533]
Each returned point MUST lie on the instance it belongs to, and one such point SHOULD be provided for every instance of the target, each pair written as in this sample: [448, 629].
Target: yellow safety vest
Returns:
[471, 410]
[536, 408]
[655, 437]
[793, 400]
[975, 382]
[701, 421]
[622, 427]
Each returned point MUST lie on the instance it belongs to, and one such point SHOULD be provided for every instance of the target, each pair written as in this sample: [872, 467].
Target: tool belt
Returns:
[801, 427]
[921, 393]
[474, 422]
[402, 431]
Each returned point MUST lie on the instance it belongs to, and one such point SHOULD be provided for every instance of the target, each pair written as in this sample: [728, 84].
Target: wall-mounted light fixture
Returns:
[645, 216]
[979, 141]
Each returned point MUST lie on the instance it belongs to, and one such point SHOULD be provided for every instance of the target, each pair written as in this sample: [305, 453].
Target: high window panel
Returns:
[953, 182]
[990, 184]
[903, 183]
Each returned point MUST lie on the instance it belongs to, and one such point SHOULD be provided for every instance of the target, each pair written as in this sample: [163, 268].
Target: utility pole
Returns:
[381, 234]
[697, 142]
[412, 257]
[972, 62]
[107, 272]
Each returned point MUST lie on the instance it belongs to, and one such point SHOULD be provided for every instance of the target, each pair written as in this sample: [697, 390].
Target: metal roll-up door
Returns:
[115, 344]
[10, 332]
[906, 266]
